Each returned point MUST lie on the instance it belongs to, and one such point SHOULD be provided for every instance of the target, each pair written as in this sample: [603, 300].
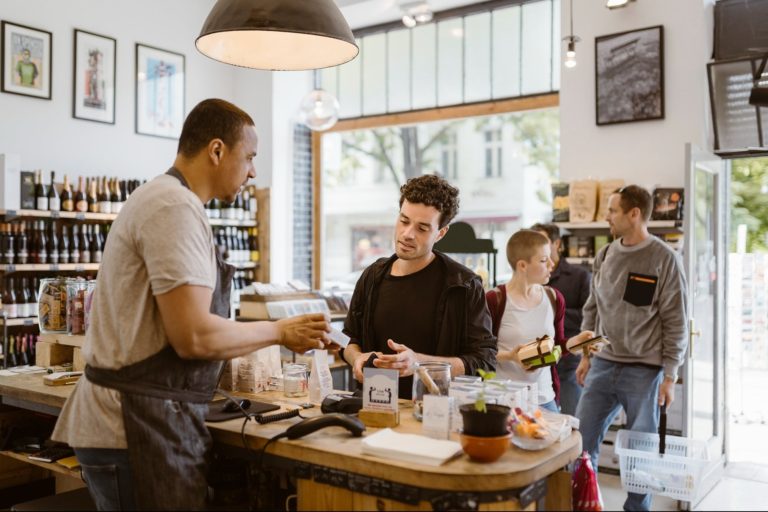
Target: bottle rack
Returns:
[260, 268]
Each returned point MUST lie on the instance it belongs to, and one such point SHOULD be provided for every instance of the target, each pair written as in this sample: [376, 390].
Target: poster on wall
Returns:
[629, 76]
[159, 92]
[26, 60]
[93, 97]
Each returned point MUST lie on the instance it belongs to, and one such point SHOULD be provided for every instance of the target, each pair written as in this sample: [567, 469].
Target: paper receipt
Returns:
[339, 337]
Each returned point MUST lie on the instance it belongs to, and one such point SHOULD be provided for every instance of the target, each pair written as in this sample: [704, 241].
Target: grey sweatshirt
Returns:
[638, 300]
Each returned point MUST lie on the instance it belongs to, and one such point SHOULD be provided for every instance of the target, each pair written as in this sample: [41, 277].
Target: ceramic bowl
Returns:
[485, 449]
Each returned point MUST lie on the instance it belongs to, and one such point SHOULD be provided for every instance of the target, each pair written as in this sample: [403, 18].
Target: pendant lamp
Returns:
[319, 110]
[286, 35]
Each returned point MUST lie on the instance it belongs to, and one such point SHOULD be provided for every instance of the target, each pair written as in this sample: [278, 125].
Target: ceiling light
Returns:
[319, 110]
[277, 34]
[616, 4]
[416, 13]
[570, 54]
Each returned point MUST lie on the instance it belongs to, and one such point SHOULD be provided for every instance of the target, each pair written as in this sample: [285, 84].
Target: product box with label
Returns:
[10, 178]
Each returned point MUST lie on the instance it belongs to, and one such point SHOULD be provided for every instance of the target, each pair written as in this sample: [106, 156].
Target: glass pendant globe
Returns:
[319, 110]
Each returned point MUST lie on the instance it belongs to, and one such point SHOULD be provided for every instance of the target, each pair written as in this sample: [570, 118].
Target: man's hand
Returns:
[667, 392]
[360, 360]
[582, 370]
[305, 332]
[403, 360]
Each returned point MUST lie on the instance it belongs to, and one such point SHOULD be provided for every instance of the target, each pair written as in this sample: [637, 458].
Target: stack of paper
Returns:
[414, 448]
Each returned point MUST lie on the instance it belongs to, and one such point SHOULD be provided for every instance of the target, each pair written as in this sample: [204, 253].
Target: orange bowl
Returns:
[485, 449]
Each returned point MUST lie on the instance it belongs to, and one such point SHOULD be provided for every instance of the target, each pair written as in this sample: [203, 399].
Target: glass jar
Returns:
[295, 379]
[52, 305]
[429, 378]
[90, 289]
[76, 291]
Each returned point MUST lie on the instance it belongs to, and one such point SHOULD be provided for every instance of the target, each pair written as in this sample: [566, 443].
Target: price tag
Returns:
[55, 214]
[80, 216]
[29, 321]
[54, 267]
[79, 268]
[10, 268]
[10, 213]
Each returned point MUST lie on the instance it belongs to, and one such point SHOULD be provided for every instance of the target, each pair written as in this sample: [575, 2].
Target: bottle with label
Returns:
[81, 203]
[54, 201]
[105, 204]
[63, 246]
[22, 244]
[52, 248]
[96, 244]
[22, 300]
[84, 244]
[215, 209]
[41, 194]
[7, 244]
[67, 199]
[9, 300]
[74, 245]
[93, 198]
[114, 197]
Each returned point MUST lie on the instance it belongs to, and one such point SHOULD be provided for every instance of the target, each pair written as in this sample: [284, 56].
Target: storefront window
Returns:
[362, 172]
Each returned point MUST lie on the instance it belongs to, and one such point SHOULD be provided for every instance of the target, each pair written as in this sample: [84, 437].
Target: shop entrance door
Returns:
[703, 374]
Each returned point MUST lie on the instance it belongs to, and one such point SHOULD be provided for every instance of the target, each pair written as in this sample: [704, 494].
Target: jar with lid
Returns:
[52, 305]
[295, 379]
[76, 292]
[429, 378]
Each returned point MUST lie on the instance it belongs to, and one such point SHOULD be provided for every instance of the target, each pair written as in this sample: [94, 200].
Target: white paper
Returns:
[339, 337]
[413, 448]
[436, 416]
[380, 389]
[320, 380]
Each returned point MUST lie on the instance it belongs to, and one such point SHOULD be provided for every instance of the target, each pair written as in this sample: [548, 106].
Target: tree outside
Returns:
[749, 201]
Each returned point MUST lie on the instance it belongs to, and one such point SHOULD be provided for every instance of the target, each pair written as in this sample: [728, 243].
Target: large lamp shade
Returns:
[284, 35]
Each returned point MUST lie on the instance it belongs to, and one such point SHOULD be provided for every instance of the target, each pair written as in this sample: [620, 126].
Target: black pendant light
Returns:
[285, 35]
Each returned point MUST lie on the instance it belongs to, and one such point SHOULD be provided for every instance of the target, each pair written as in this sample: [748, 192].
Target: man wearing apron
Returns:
[158, 331]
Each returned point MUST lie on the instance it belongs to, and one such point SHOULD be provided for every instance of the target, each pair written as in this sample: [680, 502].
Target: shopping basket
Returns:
[683, 472]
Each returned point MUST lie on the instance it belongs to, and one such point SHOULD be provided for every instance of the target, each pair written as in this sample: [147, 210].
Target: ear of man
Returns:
[215, 150]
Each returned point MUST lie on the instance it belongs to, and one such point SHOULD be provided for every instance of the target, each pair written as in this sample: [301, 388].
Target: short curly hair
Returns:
[434, 191]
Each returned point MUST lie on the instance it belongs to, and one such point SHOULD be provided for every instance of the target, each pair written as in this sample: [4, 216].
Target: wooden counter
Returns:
[332, 455]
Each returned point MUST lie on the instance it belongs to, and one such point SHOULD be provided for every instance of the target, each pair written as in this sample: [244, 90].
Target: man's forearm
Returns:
[351, 352]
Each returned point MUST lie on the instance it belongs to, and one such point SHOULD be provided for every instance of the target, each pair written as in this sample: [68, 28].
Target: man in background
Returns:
[419, 304]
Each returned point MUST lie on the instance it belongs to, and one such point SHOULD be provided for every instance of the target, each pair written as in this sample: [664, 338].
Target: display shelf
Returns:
[42, 214]
[32, 320]
[50, 466]
[50, 267]
[246, 223]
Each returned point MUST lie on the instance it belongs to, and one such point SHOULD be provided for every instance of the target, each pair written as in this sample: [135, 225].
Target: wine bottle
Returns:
[53, 245]
[114, 197]
[31, 298]
[105, 205]
[12, 351]
[81, 204]
[238, 207]
[93, 199]
[41, 195]
[84, 243]
[54, 201]
[7, 244]
[42, 254]
[95, 245]
[67, 200]
[22, 300]
[9, 300]
[63, 246]
[74, 245]
[215, 208]
[22, 244]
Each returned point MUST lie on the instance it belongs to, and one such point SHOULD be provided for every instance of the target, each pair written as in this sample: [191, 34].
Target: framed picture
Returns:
[629, 76]
[27, 60]
[93, 95]
[159, 92]
[668, 204]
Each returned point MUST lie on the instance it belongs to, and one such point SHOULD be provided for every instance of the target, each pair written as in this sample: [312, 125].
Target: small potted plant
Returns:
[485, 436]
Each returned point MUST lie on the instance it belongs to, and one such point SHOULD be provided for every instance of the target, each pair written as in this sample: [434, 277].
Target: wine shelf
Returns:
[38, 267]
[247, 223]
[41, 214]
[32, 320]
[669, 224]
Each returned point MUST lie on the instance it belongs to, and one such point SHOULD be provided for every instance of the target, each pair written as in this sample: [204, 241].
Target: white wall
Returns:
[648, 152]
[44, 133]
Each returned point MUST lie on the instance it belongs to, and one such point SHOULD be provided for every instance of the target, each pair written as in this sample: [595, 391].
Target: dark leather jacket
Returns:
[462, 322]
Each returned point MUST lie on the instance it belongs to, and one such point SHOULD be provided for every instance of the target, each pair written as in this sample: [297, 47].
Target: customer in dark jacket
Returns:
[573, 282]
[419, 304]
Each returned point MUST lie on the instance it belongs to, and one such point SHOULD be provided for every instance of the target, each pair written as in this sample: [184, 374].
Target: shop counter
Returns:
[333, 474]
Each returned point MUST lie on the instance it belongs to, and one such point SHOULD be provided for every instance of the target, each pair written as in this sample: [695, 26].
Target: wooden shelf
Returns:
[50, 466]
[41, 214]
[32, 320]
[46, 267]
[244, 265]
[245, 223]
[661, 224]
[63, 338]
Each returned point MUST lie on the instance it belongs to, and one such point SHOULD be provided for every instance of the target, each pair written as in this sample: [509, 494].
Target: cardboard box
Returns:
[51, 354]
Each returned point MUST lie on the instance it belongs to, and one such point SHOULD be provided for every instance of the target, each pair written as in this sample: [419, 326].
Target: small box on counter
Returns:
[539, 353]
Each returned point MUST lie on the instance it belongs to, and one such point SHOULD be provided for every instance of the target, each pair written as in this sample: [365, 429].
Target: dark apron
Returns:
[164, 401]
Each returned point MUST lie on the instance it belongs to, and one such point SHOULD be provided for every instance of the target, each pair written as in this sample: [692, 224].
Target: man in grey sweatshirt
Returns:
[638, 301]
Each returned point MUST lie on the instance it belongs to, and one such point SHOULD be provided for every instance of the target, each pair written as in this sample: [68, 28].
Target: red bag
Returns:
[585, 491]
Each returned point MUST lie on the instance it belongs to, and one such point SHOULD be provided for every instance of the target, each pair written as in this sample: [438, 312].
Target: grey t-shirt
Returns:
[638, 300]
[161, 240]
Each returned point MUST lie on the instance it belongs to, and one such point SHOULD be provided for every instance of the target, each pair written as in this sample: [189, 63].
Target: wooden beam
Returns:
[438, 114]
[317, 141]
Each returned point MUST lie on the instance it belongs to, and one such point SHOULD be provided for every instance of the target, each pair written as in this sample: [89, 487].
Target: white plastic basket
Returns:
[683, 472]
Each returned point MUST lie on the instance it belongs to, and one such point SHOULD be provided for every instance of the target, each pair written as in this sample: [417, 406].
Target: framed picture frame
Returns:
[27, 60]
[160, 78]
[93, 93]
[629, 76]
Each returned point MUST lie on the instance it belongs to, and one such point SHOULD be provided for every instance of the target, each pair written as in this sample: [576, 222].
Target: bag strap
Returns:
[552, 298]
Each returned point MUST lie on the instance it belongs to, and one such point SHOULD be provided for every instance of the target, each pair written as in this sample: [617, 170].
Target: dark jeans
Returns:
[107, 473]
[570, 391]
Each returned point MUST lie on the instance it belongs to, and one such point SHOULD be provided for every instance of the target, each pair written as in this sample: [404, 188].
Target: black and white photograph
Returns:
[629, 76]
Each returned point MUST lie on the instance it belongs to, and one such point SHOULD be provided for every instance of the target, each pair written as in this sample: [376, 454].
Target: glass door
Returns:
[703, 375]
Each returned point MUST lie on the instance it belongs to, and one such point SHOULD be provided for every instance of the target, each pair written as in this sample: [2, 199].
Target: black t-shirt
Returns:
[405, 313]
